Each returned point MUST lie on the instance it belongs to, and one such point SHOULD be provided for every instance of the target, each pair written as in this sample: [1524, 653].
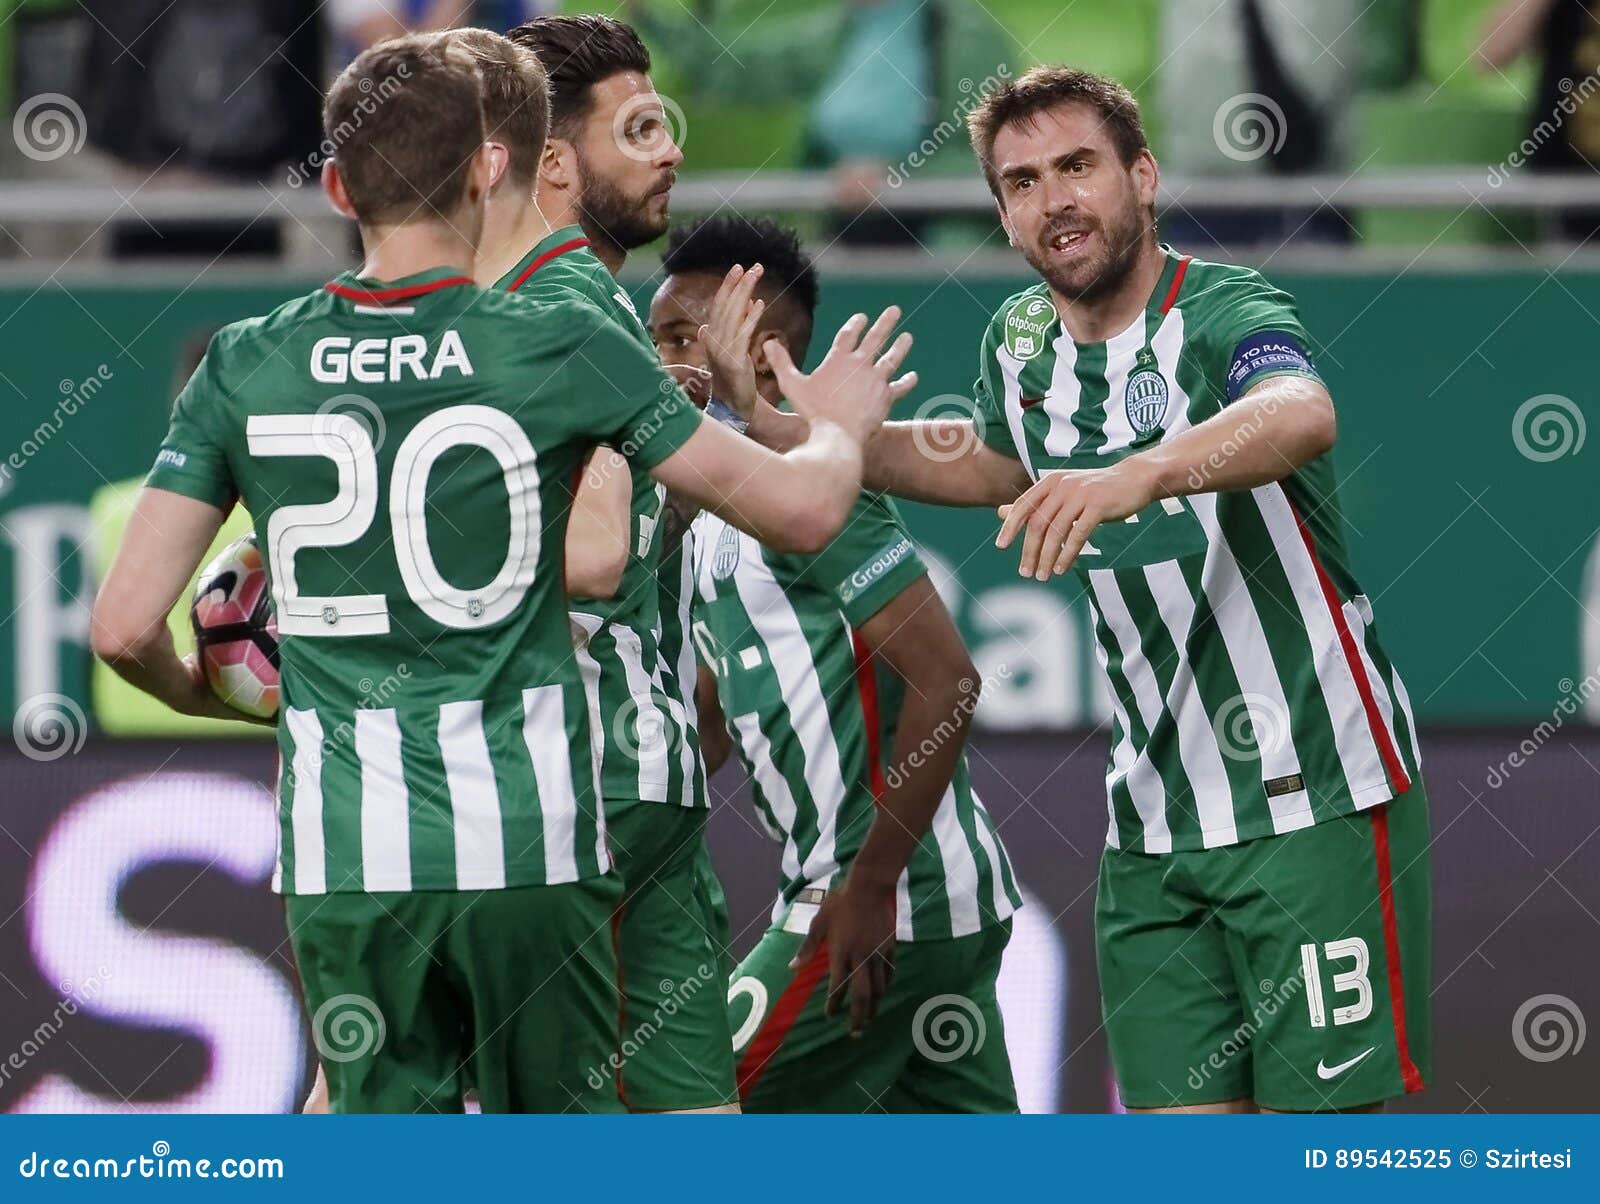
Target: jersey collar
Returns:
[1170, 283]
[367, 291]
[557, 242]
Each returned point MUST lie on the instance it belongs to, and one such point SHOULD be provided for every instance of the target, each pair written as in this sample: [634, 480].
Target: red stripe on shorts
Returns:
[1410, 1076]
[781, 1019]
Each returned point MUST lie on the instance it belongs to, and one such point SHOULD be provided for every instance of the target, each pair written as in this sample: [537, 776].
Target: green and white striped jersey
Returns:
[640, 709]
[1250, 693]
[406, 451]
[814, 718]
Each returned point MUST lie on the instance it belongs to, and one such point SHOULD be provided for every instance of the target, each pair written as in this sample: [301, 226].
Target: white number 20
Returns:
[346, 517]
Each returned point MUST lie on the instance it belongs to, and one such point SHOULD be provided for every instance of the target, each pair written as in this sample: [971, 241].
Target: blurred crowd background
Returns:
[179, 93]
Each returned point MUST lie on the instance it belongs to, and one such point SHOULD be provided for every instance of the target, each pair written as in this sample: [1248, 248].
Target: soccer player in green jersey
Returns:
[1156, 423]
[848, 691]
[441, 847]
[629, 644]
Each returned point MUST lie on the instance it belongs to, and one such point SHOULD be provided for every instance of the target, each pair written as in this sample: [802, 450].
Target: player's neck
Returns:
[509, 231]
[560, 211]
[1095, 321]
[395, 252]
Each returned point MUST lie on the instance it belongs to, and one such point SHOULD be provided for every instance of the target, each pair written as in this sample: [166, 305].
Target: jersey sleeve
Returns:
[988, 413]
[627, 400]
[1257, 335]
[868, 563]
[192, 460]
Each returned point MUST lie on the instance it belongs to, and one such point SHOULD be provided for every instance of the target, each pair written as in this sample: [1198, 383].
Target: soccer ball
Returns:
[235, 630]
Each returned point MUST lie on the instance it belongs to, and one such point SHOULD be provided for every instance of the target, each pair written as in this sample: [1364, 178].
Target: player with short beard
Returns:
[1156, 423]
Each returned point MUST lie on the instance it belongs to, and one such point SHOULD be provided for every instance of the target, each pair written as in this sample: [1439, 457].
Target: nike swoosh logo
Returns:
[1025, 402]
[1333, 1072]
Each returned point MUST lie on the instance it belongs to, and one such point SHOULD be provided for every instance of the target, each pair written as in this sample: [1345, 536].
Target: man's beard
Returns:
[607, 213]
[1091, 280]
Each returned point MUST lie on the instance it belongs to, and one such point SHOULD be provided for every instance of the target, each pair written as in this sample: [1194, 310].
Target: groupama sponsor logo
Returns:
[875, 569]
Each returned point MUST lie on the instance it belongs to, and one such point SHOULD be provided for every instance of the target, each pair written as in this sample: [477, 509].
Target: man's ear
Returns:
[499, 162]
[558, 166]
[758, 344]
[333, 185]
[1005, 223]
[1146, 177]
[481, 173]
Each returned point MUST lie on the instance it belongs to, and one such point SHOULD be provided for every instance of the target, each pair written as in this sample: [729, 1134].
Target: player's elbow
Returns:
[598, 576]
[808, 526]
[117, 636]
[1321, 426]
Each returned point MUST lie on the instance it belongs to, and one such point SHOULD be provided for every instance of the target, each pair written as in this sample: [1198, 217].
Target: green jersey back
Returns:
[407, 452]
[1250, 693]
[641, 711]
[814, 719]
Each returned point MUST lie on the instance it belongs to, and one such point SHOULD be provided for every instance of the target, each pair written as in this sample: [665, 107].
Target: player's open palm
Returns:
[726, 338]
[855, 383]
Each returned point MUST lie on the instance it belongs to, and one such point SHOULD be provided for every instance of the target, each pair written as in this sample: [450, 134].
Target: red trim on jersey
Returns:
[383, 296]
[571, 245]
[617, 914]
[1177, 283]
[780, 1020]
[1410, 1076]
[867, 687]
[1387, 751]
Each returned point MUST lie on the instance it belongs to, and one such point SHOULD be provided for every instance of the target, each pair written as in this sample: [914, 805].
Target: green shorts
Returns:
[414, 995]
[677, 1049]
[1291, 970]
[937, 1043]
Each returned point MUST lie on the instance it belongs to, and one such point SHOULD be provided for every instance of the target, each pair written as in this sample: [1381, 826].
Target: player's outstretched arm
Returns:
[599, 528]
[160, 552]
[1269, 432]
[916, 636]
[798, 500]
[942, 461]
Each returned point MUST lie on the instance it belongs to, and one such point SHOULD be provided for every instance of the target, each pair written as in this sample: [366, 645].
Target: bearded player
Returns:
[1157, 424]
[444, 856]
[846, 690]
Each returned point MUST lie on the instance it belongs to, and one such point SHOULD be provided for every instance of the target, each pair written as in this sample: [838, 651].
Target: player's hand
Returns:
[1061, 510]
[203, 703]
[696, 382]
[857, 924]
[726, 338]
[854, 385]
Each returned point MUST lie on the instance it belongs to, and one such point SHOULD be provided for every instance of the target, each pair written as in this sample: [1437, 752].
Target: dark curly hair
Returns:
[577, 53]
[716, 243]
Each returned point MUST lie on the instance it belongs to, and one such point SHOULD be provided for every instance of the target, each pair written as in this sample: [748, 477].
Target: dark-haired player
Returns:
[443, 855]
[1157, 423]
[847, 691]
[637, 666]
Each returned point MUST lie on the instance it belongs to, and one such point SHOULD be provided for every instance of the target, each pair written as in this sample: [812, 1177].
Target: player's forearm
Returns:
[778, 429]
[799, 500]
[1273, 430]
[941, 461]
[934, 720]
[599, 528]
[140, 650]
